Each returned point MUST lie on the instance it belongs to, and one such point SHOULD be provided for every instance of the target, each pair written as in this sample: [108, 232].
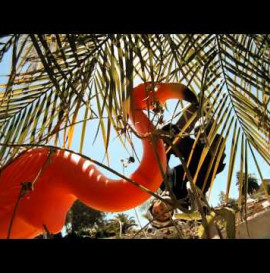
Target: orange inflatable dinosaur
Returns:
[67, 177]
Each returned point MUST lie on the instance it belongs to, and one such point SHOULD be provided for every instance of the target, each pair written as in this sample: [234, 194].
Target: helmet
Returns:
[155, 222]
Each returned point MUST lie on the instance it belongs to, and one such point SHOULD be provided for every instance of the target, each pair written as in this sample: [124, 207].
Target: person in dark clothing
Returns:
[185, 145]
[176, 177]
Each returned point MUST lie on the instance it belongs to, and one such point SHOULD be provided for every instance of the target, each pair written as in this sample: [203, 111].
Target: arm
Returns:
[192, 108]
[174, 129]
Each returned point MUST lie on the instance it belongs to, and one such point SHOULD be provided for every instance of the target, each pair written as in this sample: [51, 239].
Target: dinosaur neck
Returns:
[90, 186]
[96, 190]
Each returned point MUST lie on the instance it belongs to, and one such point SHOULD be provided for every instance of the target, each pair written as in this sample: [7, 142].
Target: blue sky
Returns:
[117, 152]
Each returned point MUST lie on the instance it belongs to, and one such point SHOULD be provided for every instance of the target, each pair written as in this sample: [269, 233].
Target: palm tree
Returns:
[53, 78]
[251, 183]
[121, 223]
[126, 221]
